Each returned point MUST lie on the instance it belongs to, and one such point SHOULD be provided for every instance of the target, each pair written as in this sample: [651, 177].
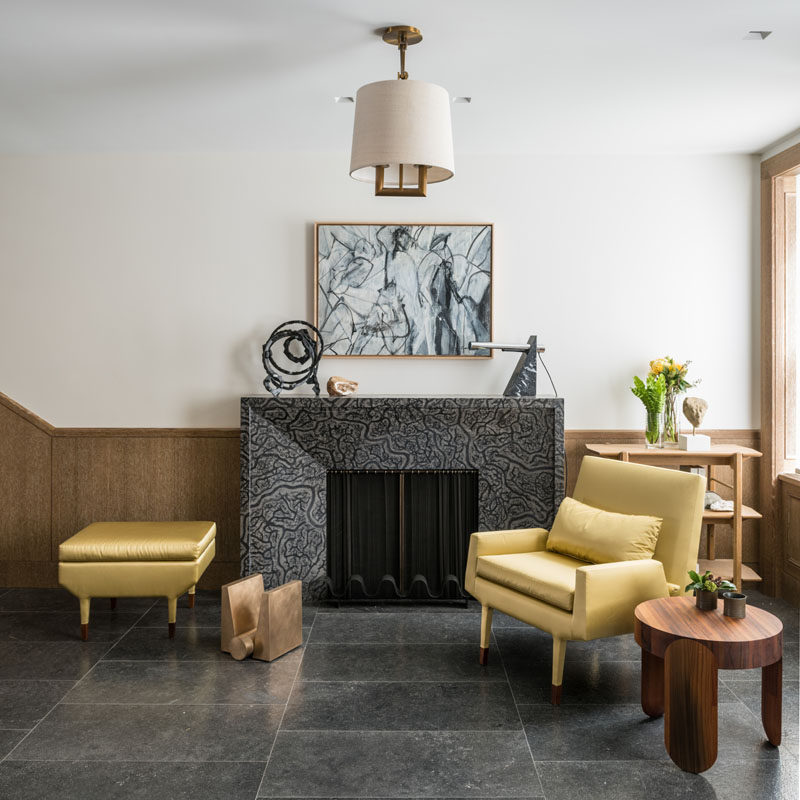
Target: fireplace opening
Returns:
[399, 534]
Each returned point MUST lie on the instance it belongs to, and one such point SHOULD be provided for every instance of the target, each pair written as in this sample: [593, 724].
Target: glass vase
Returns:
[672, 425]
[654, 429]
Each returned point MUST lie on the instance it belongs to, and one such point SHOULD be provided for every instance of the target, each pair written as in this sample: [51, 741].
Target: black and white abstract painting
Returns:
[404, 289]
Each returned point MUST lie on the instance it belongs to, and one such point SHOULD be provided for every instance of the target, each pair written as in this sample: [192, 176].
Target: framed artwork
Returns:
[401, 289]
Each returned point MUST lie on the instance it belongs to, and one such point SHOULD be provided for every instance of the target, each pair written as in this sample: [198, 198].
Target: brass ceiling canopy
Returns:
[402, 126]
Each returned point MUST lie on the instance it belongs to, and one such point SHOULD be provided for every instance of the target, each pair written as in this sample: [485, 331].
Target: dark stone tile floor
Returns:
[380, 702]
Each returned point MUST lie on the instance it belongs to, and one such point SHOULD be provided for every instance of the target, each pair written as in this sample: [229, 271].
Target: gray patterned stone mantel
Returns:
[289, 443]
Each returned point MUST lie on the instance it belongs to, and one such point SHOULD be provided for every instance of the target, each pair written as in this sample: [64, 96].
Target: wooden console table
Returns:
[730, 455]
[682, 649]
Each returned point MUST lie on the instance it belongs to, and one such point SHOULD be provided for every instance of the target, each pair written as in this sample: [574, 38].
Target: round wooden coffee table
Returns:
[682, 649]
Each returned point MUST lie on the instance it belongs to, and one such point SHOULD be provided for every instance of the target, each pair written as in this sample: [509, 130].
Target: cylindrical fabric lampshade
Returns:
[402, 122]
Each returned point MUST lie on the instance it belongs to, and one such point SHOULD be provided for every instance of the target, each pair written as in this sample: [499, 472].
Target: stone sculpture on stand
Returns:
[339, 387]
[694, 409]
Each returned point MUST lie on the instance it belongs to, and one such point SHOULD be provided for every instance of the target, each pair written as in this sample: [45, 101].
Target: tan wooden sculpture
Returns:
[280, 623]
[240, 605]
[262, 624]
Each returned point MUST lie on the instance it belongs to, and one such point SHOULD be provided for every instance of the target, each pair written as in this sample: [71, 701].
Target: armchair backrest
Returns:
[677, 497]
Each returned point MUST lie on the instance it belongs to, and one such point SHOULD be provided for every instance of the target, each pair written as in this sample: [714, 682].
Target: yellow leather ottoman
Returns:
[135, 559]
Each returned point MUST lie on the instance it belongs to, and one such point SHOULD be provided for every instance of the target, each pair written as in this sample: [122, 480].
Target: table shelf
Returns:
[716, 456]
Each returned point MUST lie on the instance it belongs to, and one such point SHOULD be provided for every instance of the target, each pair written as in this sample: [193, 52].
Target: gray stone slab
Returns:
[59, 626]
[592, 733]
[400, 764]
[452, 627]
[9, 739]
[23, 702]
[61, 600]
[401, 706]
[186, 682]
[153, 733]
[749, 693]
[614, 780]
[49, 660]
[774, 779]
[92, 780]
[396, 662]
[189, 644]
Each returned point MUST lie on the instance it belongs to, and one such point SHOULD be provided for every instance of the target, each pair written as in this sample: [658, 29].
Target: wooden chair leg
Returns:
[85, 603]
[559, 651]
[486, 634]
[191, 596]
[112, 601]
[172, 607]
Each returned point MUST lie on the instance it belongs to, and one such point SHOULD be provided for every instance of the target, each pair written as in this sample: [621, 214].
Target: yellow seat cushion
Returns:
[549, 577]
[139, 541]
[601, 537]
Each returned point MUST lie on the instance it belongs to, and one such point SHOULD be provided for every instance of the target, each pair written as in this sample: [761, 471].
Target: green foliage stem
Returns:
[653, 393]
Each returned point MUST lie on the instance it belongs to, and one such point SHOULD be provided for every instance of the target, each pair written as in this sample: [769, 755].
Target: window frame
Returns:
[773, 354]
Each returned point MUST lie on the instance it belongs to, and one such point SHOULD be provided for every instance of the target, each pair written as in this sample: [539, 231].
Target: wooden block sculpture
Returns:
[264, 625]
[240, 606]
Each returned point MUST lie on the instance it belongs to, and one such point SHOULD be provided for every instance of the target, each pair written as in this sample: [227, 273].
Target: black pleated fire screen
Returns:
[400, 535]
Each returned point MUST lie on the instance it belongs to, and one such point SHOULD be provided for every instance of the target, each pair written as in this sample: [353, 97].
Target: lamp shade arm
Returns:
[500, 543]
[607, 594]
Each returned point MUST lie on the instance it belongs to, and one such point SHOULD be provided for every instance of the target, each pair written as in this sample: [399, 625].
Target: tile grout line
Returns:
[100, 658]
[519, 715]
[286, 706]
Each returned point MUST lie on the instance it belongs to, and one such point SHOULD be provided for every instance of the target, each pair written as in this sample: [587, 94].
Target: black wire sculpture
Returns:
[287, 347]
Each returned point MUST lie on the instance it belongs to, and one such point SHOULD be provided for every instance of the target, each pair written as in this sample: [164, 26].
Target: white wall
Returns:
[137, 289]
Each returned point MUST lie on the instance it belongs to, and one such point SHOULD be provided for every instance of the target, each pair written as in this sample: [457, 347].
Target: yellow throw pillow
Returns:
[601, 537]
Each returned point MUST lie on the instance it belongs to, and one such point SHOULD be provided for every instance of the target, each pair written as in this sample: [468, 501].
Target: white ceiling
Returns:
[546, 76]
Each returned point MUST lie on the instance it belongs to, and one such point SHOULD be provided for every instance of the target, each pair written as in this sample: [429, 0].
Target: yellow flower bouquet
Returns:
[674, 373]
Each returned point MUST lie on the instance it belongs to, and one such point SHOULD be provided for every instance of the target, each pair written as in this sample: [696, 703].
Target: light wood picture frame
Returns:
[403, 290]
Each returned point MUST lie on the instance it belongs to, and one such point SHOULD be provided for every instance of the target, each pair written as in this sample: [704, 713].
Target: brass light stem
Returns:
[402, 46]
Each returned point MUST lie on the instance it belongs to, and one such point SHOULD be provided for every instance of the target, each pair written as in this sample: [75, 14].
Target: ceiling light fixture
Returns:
[401, 126]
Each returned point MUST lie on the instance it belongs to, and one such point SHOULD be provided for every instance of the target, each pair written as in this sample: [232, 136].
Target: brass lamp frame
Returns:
[401, 36]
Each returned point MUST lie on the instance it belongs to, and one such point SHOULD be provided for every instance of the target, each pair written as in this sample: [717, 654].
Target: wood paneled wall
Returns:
[54, 481]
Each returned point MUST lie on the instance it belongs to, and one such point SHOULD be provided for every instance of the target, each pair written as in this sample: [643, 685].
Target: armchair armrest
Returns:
[607, 594]
[499, 543]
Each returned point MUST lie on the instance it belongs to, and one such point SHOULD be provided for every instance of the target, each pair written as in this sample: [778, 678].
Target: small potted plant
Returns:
[706, 589]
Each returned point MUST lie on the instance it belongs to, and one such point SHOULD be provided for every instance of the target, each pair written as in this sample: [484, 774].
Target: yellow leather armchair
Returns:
[575, 600]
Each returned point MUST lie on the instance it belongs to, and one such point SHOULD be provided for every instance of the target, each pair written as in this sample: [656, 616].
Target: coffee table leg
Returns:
[652, 684]
[690, 705]
[771, 700]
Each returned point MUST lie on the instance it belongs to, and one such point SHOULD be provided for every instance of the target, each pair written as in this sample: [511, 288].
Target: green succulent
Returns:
[707, 583]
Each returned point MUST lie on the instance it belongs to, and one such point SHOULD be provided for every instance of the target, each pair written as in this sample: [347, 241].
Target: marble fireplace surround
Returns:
[289, 443]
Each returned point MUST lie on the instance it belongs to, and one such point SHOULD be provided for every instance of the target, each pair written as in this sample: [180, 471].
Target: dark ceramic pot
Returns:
[706, 601]
[735, 605]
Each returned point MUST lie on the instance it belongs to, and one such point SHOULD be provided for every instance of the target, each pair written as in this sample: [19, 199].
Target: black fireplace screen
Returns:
[400, 535]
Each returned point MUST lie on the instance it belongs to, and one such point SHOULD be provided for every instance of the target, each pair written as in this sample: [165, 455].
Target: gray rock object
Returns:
[694, 409]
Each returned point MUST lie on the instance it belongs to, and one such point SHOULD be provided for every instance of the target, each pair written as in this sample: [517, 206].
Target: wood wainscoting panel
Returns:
[24, 487]
[54, 481]
[576, 441]
[789, 528]
[170, 477]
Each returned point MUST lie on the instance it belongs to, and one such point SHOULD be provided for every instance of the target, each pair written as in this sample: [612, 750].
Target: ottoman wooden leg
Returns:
[172, 605]
[112, 601]
[191, 596]
[85, 606]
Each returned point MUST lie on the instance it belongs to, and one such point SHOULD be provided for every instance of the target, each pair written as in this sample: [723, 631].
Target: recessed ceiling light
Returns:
[757, 35]
[462, 100]
[343, 99]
